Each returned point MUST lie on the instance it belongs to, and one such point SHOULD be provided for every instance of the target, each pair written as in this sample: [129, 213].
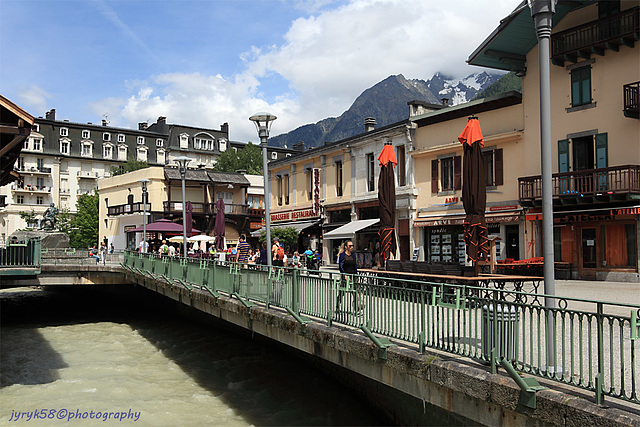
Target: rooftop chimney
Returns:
[51, 114]
[162, 120]
[104, 122]
[445, 102]
[224, 128]
[369, 124]
[142, 126]
[299, 146]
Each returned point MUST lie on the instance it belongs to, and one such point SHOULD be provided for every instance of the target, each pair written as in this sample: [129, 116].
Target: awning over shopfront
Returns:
[298, 225]
[347, 231]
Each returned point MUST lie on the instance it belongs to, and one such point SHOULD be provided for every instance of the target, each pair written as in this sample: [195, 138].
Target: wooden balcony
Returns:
[631, 93]
[127, 209]
[205, 208]
[618, 183]
[595, 37]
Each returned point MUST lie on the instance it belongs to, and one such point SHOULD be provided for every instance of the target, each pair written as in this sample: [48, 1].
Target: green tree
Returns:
[63, 221]
[249, 158]
[130, 166]
[288, 237]
[85, 224]
[28, 217]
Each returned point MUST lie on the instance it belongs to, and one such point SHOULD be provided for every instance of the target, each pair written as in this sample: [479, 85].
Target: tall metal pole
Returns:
[542, 12]
[182, 165]
[263, 122]
[144, 183]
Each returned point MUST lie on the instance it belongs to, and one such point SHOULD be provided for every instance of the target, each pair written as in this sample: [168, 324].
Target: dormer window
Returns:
[223, 144]
[160, 156]
[122, 152]
[120, 137]
[106, 136]
[159, 142]
[142, 154]
[274, 155]
[140, 140]
[86, 134]
[37, 144]
[184, 140]
[35, 127]
[64, 132]
[87, 149]
[107, 152]
[64, 146]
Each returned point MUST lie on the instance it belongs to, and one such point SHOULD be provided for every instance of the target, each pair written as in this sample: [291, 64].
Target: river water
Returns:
[87, 356]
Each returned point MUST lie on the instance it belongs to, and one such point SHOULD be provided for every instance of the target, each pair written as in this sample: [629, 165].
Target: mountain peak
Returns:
[386, 101]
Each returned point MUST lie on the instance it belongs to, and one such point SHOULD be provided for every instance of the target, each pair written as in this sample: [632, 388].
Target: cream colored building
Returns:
[121, 207]
[595, 78]
[437, 158]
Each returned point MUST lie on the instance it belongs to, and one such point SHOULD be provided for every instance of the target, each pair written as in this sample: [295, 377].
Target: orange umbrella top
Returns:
[471, 132]
[387, 155]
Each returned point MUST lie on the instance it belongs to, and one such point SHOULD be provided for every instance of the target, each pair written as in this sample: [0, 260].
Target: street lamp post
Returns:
[182, 167]
[542, 12]
[144, 183]
[263, 122]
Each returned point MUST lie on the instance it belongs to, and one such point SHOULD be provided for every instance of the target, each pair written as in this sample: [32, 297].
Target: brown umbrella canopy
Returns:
[474, 191]
[387, 202]
[189, 218]
[218, 228]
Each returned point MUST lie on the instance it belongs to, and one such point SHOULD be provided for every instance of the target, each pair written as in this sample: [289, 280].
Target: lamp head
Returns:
[144, 182]
[182, 162]
[263, 122]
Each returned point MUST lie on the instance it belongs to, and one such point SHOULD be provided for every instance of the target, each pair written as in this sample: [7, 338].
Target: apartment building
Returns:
[61, 160]
[595, 80]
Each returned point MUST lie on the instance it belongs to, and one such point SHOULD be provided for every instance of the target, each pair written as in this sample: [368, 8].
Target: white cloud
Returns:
[328, 59]
[34, 98]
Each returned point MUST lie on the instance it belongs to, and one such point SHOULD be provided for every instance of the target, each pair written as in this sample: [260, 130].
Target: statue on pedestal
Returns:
[49, 218]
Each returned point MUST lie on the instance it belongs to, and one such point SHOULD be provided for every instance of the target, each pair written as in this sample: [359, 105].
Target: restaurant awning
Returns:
[298, 225]
[347, 231]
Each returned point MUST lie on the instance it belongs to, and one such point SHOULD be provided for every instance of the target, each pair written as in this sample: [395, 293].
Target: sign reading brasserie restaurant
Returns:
[294, 215]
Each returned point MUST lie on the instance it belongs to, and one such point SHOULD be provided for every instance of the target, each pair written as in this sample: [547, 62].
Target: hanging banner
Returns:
[316, 191]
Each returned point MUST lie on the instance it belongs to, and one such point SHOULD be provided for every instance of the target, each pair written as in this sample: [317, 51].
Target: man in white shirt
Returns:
[144, 246]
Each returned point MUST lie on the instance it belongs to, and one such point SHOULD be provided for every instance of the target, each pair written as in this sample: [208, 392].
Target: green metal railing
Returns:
[584, 343]
[20, 258]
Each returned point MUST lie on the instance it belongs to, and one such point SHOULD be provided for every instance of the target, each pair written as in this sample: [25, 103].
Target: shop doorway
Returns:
[583, 159]
[513, 242]
[588, 263]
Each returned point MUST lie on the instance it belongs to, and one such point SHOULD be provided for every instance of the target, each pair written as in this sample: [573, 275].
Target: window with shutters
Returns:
[446, 174]
[493, 166]
[339, 179]
[580, 86]
[402, 173]
[370, 172]
[279, 188]
[286, 189]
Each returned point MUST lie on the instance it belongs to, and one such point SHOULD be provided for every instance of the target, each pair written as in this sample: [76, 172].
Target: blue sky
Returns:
[206, 62]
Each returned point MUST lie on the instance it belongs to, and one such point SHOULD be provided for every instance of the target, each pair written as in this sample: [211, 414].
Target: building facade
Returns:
[121, 204]
[595, 132]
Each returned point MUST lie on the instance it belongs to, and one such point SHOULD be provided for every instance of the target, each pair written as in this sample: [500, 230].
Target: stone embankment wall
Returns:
[407, 384]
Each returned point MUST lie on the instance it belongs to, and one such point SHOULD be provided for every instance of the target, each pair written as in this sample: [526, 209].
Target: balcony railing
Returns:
[595, 37]
[632, 100]
[30, 188]
[127, 209]
[205, 208]
[87, 174]
[583, 186]
[32, 169]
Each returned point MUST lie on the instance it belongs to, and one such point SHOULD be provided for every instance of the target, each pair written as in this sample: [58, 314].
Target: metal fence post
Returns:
[600, 374]
[295, 291]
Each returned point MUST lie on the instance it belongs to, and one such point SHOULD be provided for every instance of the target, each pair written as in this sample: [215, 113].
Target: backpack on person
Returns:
[280, 253]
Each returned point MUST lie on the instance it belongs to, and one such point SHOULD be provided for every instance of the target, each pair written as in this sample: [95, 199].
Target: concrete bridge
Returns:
[404, 377]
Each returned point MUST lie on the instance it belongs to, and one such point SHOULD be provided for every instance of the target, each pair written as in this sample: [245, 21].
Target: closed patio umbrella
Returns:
[387, 203]
[189, 218]
[474, 192]
[218, 228]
